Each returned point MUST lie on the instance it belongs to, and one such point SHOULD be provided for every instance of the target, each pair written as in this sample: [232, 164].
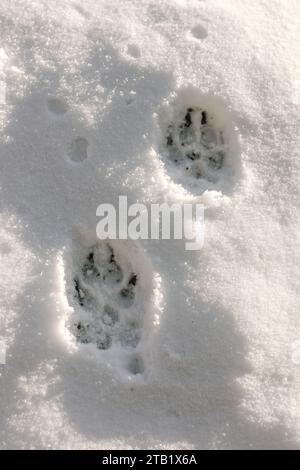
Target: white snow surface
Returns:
[83, 88]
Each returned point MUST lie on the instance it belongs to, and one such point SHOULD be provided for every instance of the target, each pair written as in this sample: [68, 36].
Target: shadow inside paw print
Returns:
[105, 293]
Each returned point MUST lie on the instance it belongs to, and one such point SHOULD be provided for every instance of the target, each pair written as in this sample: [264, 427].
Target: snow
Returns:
[84, 91]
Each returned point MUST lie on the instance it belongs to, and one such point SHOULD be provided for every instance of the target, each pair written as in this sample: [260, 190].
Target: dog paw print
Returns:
[108, 312]
[199, 140]
[57, 106]
[136, 365]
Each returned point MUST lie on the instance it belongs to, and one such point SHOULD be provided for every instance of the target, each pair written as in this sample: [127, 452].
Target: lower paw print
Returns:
[200, 141]
[109, 297]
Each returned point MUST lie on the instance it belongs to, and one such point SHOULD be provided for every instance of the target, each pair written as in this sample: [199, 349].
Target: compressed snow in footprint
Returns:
[146, 345]
[109, 287]
[199, 138]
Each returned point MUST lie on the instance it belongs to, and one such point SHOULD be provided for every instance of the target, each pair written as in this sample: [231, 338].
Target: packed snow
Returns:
[191, 349]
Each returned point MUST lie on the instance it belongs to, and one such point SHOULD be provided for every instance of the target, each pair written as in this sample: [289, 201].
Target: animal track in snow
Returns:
[199, 141]
[79, 150]
[110, 291]
[199, 32]
[57, 106]
[134, 51]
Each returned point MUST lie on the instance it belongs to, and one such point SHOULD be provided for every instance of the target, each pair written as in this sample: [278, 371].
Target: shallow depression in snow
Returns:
[142, 344]
[109, 286]
[200, 142]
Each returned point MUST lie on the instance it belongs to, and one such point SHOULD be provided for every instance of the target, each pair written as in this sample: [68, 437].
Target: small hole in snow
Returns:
[78, 151]
[134, 51]
[136, 365]
[199, 32]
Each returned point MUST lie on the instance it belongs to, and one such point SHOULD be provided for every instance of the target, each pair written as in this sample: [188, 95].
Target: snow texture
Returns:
[143, 344]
